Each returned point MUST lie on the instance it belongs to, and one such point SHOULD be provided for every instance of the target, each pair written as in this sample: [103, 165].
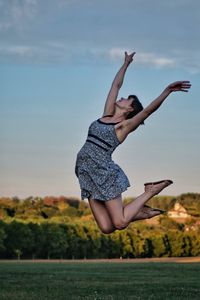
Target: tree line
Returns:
[61, 227]
[76, 241]
[66, 208]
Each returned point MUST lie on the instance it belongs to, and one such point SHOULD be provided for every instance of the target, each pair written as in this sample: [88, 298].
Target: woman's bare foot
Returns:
[156, 187]
[146, 213]
[155, 209]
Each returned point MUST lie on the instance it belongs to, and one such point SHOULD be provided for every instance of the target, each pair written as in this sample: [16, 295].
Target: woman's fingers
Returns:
[130, 55]
[185, 86]
[185, 83]
[181, 85]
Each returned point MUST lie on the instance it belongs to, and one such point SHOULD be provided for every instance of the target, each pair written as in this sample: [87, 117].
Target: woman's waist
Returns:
[91, 149]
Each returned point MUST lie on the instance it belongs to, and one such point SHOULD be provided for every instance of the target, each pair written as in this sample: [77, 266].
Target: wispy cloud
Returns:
[56, 52]
[143, 58]
[156, 60]
[69, 30]
[22, 51]
[46, 53]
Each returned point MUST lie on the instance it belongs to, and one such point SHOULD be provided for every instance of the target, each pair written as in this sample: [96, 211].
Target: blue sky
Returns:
[57, 62]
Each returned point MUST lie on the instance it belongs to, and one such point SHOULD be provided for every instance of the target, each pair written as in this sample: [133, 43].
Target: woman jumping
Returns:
[101, 180]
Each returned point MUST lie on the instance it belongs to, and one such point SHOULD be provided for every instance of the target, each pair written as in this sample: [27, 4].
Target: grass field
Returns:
[100, 280]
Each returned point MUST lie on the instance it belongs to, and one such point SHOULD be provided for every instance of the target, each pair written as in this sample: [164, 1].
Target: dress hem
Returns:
[109, 198]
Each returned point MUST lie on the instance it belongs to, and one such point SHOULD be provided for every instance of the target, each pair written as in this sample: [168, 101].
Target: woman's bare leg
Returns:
[121, 215]
[132, 208]
[101, 216]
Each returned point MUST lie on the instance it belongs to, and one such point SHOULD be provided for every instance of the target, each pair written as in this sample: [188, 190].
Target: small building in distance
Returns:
[178, 212]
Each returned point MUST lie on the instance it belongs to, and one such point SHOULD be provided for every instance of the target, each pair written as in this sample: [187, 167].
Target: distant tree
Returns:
[126, 245]
[62, 205]
[2, 239]
[18, 236]
[71, 211]
[168, 223]
[159, 245]
[83, 209]
[16, 200]
[74, 241]
[10, 211]
[48, 212]
[110, 248]
[166, 241]
[163, 202]
[18, 252]
[72, 201]
[93, 244]
[180, 243]
[139, 245]
[195, 243]
[55, 244]
[39, 240]
[112, 244]
[186, 245]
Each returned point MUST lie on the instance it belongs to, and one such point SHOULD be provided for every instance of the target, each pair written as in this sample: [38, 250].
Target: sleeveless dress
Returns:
[99, 176]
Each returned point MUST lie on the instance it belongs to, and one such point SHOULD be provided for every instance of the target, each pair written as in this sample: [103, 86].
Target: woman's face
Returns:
[125, 103]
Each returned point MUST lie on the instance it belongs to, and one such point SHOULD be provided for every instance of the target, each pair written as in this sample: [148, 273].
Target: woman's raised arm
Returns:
[131, 124]
[109, 107]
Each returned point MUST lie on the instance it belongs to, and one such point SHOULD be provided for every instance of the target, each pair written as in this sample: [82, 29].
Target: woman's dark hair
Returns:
[136, 104]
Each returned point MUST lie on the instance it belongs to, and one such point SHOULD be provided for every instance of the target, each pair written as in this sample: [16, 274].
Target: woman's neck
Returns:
[119, 116]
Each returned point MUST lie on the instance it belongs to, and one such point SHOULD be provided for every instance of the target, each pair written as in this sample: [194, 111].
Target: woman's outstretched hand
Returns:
[129, 57]
[179, 86]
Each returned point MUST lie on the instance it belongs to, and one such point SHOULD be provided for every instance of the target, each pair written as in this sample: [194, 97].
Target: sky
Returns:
[57, 62]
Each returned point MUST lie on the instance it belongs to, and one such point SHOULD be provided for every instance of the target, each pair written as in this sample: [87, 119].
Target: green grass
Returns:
[56, 281]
